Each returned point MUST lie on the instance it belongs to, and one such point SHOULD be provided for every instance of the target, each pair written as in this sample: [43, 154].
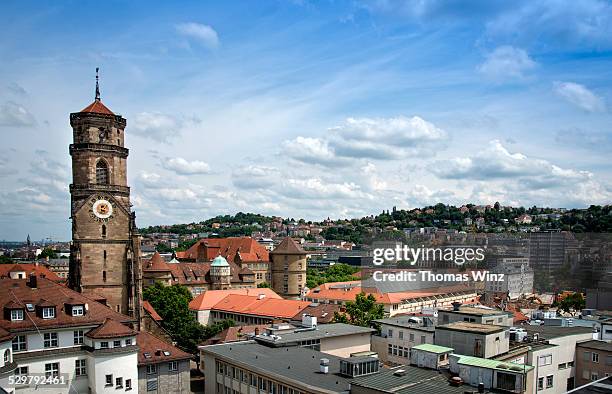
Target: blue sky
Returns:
[309, 109]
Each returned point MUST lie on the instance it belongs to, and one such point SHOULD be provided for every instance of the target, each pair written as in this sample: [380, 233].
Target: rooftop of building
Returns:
[260, 306]
[491, 364]
[428, 347]
[295, 365]
[551, 332]
[234, 249]
[299, 334]
[408, 322]
[110, 329]
[236, 333]
[596, 345]
[475, 311]
[289, 246]
[472, 327]
[323, 312]
[601, 386]
[208, 299]
[20, 293]
[407, 379]
[97, 107]
[27, 269]
[152, 350]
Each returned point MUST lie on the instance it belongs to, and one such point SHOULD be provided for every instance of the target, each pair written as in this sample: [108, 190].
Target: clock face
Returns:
[101, 209]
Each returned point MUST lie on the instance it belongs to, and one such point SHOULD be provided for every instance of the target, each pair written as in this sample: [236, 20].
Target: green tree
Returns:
[5, 260]
[263, 285]
[47, 252]
[361, 312]
[163, 248]
[572, 303]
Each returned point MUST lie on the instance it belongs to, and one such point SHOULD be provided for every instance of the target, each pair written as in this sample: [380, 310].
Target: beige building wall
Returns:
[344, 345]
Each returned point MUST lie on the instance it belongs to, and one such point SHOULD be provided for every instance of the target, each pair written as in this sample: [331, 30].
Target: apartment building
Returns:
[553, 354]
[593, 361]
[398, 335]
[471, 314]
[57, 332]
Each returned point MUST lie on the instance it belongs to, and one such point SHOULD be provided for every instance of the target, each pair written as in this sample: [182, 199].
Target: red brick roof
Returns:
[234, 249]
[110, 329]
[157, 350]
[97, 108]
[235, 334]
[29, 268]
[208, 299]
[16, 292]
[157, 263]
[255, 306]
[288, 246]
[146, 305]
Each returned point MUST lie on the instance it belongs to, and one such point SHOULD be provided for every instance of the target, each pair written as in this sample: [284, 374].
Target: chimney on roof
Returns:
[32, 281]
[456, 305]
[324, 366]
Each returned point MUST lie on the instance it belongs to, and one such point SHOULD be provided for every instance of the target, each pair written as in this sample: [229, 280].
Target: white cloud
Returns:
[157, 126]
[185, 167]
[369, 138]
[255, 177]
[204, 34]
[16, 115]
[506, 62]
[580, 96]
[496, 162]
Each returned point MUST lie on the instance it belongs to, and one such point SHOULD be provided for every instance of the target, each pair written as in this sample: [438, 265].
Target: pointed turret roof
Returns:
[157, 263]
[288, 246]
[97, 107]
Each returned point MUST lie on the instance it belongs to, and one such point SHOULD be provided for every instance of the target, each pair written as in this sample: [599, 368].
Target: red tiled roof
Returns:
[157, 263]
[29, 268]
[110, 329]
[323, 312]
[234, 249]
[191, 273]
[253, 305]
[16, 291]
[146, 305]
[5, 335]
[97, 108]
[235, 334]
[157, 350]
[208, 299]
[288, 246]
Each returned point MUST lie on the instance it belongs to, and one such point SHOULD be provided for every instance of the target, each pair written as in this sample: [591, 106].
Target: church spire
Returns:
[97, 85]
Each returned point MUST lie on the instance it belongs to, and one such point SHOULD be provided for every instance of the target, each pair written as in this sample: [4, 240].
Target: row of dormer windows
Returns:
[45, 312]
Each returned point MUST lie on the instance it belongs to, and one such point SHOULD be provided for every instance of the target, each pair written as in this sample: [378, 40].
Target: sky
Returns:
[309, 109]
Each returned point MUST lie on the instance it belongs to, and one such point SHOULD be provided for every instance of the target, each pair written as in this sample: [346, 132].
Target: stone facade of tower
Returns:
[105, 252]
[288, 269]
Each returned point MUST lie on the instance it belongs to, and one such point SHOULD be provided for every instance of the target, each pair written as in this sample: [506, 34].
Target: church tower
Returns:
[105, 251]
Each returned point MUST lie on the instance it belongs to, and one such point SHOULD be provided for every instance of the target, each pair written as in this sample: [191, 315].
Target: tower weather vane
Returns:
[97, 85]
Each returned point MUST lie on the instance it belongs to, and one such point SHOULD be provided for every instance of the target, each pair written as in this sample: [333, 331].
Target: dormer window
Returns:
[48, 312]
[78, 310]
[16, 314]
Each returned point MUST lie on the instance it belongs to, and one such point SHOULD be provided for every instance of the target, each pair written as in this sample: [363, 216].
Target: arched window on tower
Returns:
[103, 231]
[101, 173]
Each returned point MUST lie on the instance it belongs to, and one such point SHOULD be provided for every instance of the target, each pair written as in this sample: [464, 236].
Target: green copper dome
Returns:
[219, 261]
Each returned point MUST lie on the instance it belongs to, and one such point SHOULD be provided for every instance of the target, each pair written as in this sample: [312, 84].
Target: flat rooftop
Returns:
[305, 334]
[472, 327]
[413, 380]
[470, 310]
[295, 365]
[428, 347]
[492, 364]
[596, 345]
[404, 322]
[551, 332]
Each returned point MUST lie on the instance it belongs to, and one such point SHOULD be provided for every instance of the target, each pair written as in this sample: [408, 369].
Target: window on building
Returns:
[78, 310]
[48, 312]
[586, 356]
[545, 360]
[540, 383]
[19, 343]
[109, 380]
[104, 276]
[173, 366]
[128, 384]
[7, 356]
[101, 173]
[390, 333]
[401, 334]
[119, 383]
[595, 357]
[151, 369]
[80, 367]
[128, 342]
[104, 345]
[51, 370]
[103, 231]
[422, 338]
[77, 337]
[411, 337]
[549, 381]
[594, 376]
[50, 339]
[152, 384]
[21, 371]
[116, 343]
[16, 314]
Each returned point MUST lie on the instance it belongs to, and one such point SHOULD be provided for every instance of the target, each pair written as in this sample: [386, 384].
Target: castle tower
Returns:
[288, 266]
[105, 251]
[220, 273]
